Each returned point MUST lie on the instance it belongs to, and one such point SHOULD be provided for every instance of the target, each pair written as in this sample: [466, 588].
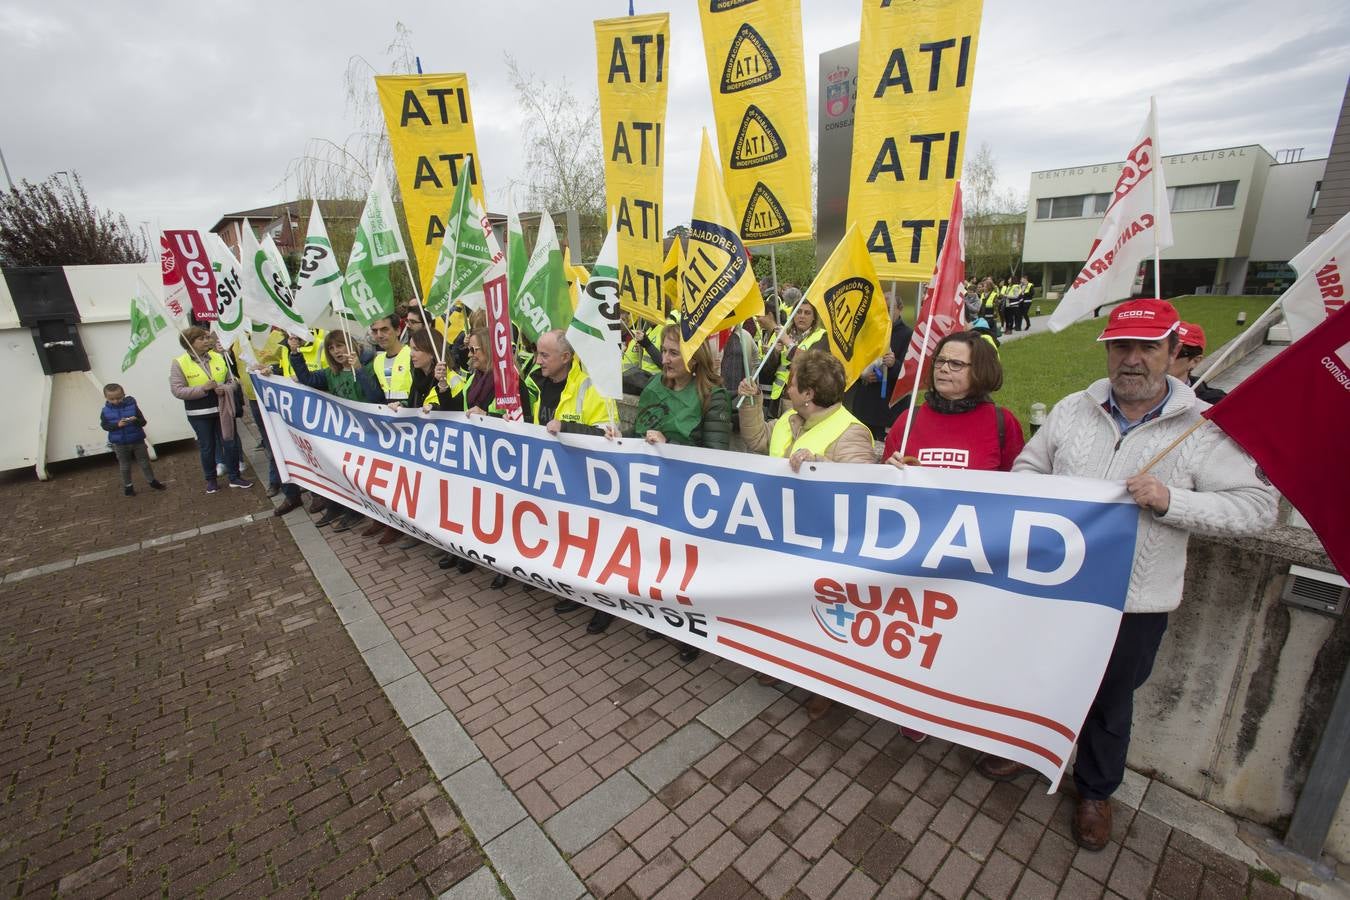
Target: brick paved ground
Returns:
[842, 807]
[194, 719]
[81, 509]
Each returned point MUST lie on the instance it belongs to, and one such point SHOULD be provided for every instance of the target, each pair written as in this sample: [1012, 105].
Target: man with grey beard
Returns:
[1206, 484]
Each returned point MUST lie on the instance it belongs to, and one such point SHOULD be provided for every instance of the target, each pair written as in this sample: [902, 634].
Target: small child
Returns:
[125, 424]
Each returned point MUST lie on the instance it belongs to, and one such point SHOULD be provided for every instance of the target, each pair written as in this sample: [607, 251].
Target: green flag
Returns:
[368, 293]
[542, 302]
[146, 322]
[464, 257]
[516, 258]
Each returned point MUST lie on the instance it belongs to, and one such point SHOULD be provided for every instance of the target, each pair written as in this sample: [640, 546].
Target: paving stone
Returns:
[445, 744]
[663, 763]
[414, 699]
[530, 866]
[481, 885]
[998, 878]
[719, 857]
[1132, 875]
[1179, 875]
[388, 662]
[825, 876]
[746, 701]
[1054, 854]
[1034, 887]
[1148, 836]
[955, 876]
[485, 802]
[596, 812]
[369, 632]
[759, 855]
[926, 856]
[1077, 886]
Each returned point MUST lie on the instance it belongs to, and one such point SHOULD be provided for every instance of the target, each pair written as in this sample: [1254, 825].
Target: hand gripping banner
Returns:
[932, 598]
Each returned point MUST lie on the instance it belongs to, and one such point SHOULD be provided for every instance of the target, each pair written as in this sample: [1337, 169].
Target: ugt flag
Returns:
[847, 296]
[1320, 288]
[943, 308]
[1137, 224]
[1296, 407]
[368, 293]
[595, 333]
[146, 322]
[715, 277]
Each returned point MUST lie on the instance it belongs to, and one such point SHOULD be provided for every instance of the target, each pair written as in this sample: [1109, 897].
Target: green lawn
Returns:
[1046, 367]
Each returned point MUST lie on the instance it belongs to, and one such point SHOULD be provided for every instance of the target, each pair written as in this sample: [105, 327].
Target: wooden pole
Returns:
[1172, 446]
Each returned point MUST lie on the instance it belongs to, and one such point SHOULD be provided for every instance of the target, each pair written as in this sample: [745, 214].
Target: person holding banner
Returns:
[1139, 425]
[201, 379]
[566, 399]
[958, 425]
[392, 365]
[478, 394]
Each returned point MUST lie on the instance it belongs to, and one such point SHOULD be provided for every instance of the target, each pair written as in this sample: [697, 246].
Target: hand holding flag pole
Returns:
[782, 330]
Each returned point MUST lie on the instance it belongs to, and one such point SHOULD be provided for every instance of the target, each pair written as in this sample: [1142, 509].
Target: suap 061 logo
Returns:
[871, 615]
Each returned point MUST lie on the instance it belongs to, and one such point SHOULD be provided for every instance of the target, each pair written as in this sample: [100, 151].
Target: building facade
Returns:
[1238, 216]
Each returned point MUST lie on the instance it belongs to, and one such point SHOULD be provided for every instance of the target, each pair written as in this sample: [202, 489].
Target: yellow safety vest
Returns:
[394, 375]
[196, 376]
[312, 352]
[780, 380]
[818, 439]
[580, 402]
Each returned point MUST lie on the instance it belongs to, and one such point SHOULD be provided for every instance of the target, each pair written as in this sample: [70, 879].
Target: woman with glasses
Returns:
[479, 396]
[958, 425]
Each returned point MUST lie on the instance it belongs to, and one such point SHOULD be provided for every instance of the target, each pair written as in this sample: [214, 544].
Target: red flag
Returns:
[184, 265]
[942, 311]
[505, 377]
[1293, 417]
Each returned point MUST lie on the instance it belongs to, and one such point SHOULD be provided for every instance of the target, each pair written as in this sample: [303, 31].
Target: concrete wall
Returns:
[1199, 234]
[1282, 224]
[1243, 683]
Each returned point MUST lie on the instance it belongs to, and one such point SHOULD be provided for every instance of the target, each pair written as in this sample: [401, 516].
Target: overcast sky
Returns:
[178, 112]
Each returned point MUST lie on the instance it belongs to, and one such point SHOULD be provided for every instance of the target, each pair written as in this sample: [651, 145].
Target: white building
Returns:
[1237, 217]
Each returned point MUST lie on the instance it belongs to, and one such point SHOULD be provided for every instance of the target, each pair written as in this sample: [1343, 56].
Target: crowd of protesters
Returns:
[787, 396]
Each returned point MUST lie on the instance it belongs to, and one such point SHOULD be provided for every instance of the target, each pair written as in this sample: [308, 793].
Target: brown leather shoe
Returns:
[818, 706]
[374, 528]
[996, 768]
[1092, 824]
[286, 506]
[390, 535]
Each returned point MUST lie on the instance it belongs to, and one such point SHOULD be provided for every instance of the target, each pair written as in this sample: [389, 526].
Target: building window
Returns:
[1186, 198]
[1079, 206]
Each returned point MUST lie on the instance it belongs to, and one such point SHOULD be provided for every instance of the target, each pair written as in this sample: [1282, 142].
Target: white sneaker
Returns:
[220, 469]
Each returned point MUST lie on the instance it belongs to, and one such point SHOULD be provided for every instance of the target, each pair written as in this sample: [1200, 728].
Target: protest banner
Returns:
[185, 267]
[758, 79]
[633, 66]
[931, 598]
[432, 140]
[916, 65]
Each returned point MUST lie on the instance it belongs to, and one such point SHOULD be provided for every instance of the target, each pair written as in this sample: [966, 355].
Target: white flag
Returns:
[229, 290]
[380, 222]
[1137, 224]
[1321, 285]
[267, 288]
[595, 333]
[318, 288]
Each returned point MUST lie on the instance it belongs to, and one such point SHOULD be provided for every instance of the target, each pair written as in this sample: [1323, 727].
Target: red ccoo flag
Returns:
[1296, 409]
[942, 311]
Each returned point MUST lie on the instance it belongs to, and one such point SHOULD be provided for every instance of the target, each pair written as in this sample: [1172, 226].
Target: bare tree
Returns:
[560, 141]
[995, 218]
[52, 223]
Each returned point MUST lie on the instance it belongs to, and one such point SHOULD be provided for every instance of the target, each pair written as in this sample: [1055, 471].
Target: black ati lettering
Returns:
[750, 62]
[757, 142]
[764, 216]
[847, 303]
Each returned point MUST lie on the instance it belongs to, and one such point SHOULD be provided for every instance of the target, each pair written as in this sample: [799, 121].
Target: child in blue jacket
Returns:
[125, 424]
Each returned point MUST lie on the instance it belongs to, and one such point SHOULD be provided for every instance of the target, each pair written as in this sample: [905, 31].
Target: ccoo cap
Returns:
[1141, 320]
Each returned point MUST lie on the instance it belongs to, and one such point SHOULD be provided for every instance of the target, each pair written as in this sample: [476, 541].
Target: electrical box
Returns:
[1324, 592]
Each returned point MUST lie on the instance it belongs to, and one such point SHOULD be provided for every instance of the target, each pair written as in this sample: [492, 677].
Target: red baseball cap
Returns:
[1141, 320]
[1191, 334]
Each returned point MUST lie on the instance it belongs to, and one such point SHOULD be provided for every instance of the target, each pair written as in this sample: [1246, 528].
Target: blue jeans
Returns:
[207, 429]
[288, 489]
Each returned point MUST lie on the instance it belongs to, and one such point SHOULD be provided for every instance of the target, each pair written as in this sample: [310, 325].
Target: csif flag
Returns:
[541, 302]
[595, 333]
[318, 287]
[1320, 288]
[367, 292]
[715, 277]
[468, 249]
[847, 295]
[266, 285]
[1294, 406]
[146, 322]
[229, 290]
[942, 311]
[1137, 225]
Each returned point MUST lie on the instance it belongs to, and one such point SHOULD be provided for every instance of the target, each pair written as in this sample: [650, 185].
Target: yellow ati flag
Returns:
[848, 297]
[715, 274]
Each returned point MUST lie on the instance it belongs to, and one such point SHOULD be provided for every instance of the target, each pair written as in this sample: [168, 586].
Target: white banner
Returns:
[980, 607]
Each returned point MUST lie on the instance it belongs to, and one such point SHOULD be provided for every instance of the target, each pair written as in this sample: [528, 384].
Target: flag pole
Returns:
[918, 370]
[1172, 446]
[1157, 198]
[454, 262]
[1232, 345]
[782, 329]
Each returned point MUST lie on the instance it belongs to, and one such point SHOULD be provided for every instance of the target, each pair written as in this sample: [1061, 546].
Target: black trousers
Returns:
[1105, 738]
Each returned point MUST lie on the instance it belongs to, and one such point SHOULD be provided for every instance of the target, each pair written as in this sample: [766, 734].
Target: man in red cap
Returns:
[1192, 351]
[1207, 483]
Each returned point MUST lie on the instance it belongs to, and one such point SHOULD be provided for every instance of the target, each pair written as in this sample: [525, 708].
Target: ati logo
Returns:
[757, 143]
[750, 63]
[764, 216]
[945, 458]
[717, 6]
[847, 303]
